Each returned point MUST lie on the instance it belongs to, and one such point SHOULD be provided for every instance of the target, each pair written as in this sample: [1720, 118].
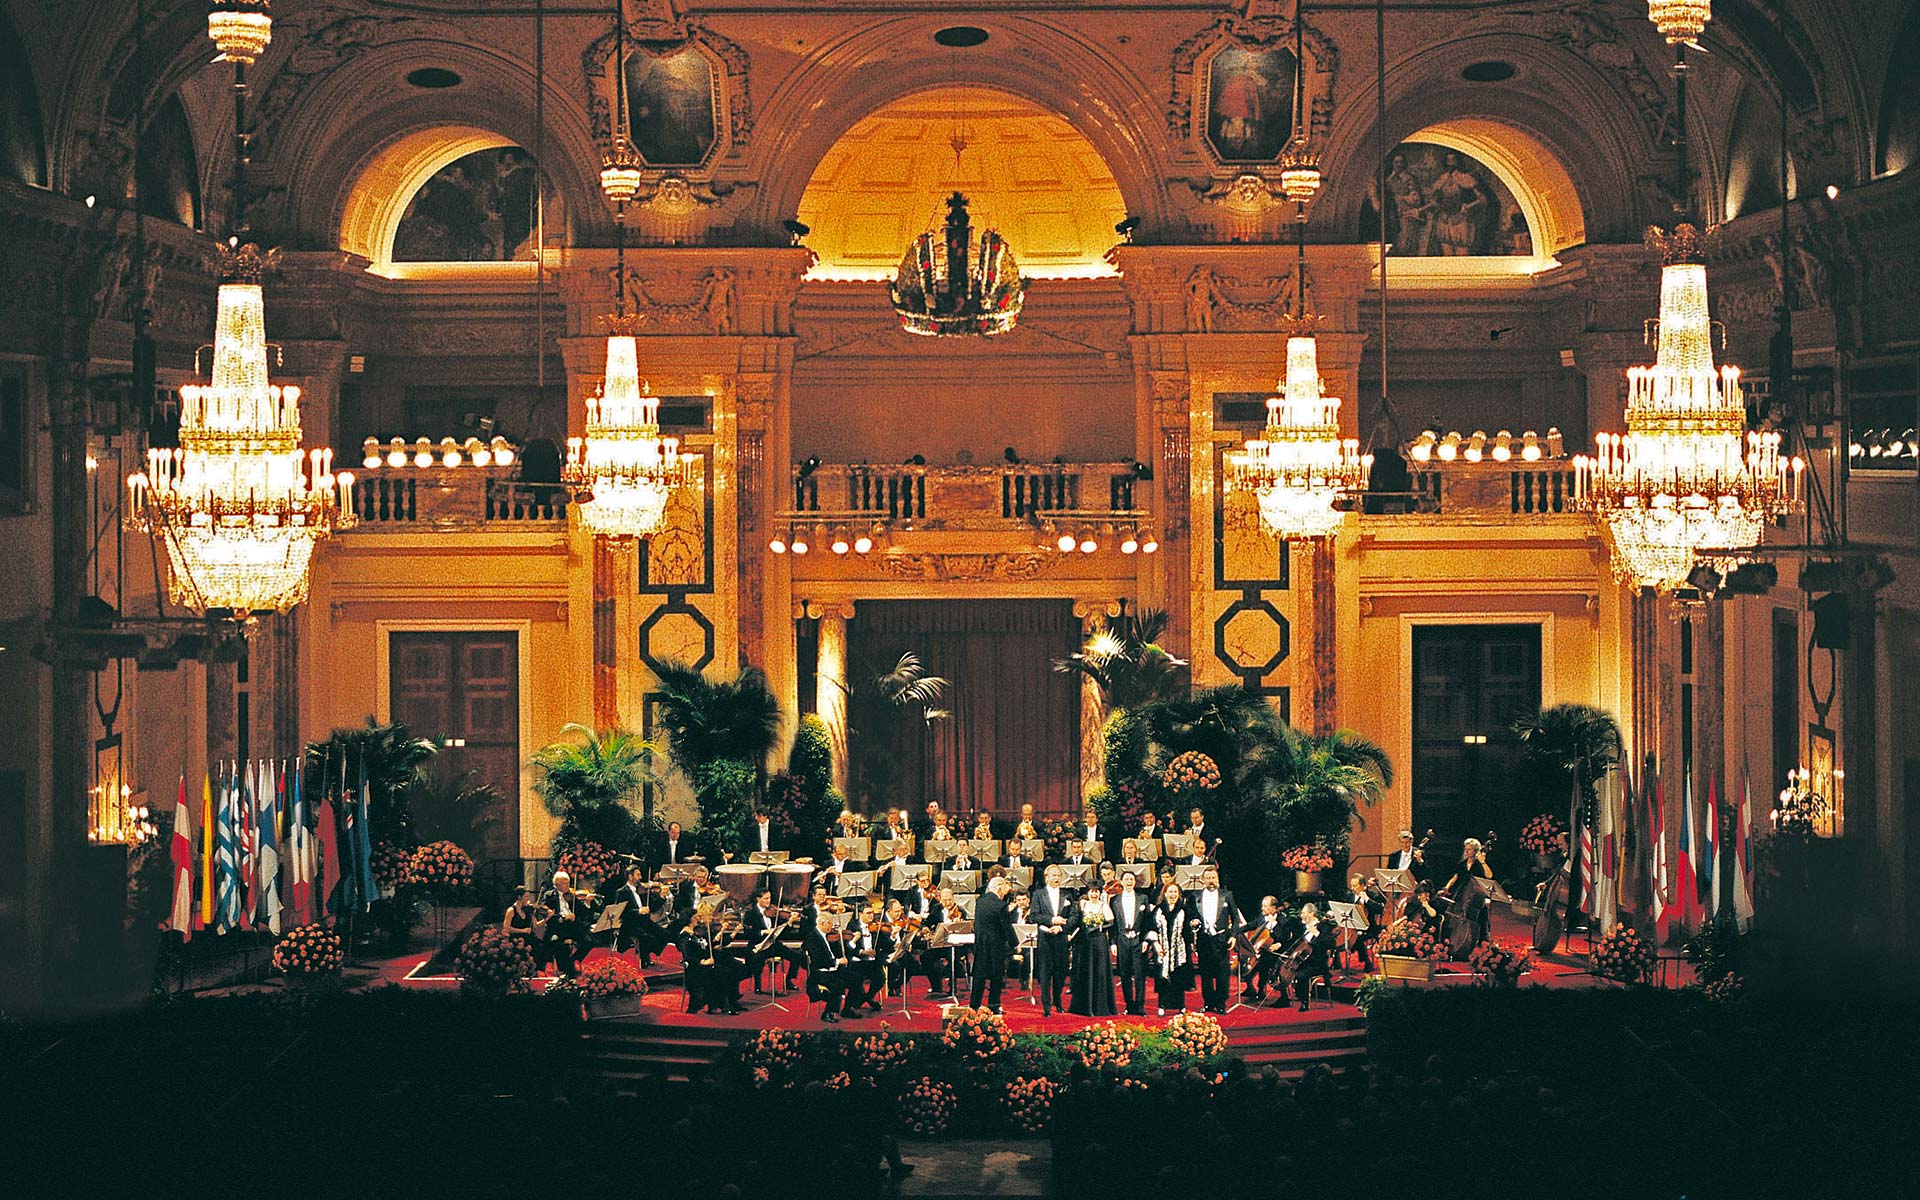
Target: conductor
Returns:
[992, 941]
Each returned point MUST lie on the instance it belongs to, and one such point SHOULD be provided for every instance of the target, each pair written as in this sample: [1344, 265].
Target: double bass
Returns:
[1551, 921]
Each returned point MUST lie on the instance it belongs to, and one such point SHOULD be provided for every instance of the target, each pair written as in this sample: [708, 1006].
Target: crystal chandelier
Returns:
[623, 472]
[238, 505]
[1299, 163]
[1686, 479]
[1300, 464]
[1679, 20]
[620, 167]
[951, 283]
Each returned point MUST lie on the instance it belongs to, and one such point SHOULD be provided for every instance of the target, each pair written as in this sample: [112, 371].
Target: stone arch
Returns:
[334, 147]
[1566, 132]
[1897, 133]
[23, 126]
[893, 59]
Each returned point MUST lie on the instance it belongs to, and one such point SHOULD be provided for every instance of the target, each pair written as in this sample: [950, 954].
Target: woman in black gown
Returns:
[1092, 958]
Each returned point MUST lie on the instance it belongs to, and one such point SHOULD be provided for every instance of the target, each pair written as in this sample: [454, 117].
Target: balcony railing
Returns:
[389, 500]
[944, 494]
[1531, 489]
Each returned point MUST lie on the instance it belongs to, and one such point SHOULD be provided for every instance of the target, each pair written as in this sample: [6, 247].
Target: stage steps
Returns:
[1338, 1040]
[624, 1051]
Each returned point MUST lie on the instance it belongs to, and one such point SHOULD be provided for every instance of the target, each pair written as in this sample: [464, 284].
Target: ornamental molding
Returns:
[1217, 303]
[658, 31]
[969, 568]
[1259, 32]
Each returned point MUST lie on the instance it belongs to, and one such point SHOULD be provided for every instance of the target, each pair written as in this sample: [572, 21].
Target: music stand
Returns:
[965, 905]
[1096, 850]
[609, 921]
[1188, 875]
[1021, 876]
[673, 873]
[1349, 919]
[1395, 883]
[1034, 849]
[961, 881]
[940, 849]
[853, 849]
[1077, 876]
[1027, 937]
[854, 883]
[768, 858]
[899, 877]
[984, 849]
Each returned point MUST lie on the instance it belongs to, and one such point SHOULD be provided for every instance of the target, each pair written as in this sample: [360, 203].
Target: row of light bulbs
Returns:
[1475, 446]
[423, 453]
[839, 539]
[1884, 448]
[1132, 541]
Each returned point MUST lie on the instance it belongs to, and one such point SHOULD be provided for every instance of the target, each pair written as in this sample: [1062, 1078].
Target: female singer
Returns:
[1172, 943]
[1092, 944]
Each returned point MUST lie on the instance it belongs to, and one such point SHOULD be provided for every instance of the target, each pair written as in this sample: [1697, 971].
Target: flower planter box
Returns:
[1394, 966]
[612, 1006]
[1306, 883]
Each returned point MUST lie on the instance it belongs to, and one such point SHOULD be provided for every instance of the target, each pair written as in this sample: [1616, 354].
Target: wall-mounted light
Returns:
[1503, 446]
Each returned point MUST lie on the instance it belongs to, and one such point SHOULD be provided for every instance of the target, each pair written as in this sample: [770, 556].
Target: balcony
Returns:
[860, 504]
[402, 499]
[1491, 488]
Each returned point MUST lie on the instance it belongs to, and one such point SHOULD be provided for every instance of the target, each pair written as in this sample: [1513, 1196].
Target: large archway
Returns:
[1025, 171]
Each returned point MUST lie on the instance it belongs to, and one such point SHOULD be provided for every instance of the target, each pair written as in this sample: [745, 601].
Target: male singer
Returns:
[1132, 918]
[1218, 921]
[1056, 914]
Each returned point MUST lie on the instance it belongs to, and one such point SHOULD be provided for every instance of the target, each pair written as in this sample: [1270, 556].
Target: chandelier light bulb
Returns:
[620, 172]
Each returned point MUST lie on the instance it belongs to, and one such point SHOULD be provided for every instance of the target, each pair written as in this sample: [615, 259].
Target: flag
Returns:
[1686, 882]
[246, 842]
[226, 863]
[369, 889]
[1584, 843]
[299, 851]
[1661, 895]
[269, 810]
[205, 911]
[326, 859]
[1743, 858]
[180, 853]
[1710, 861]
[1607, 887]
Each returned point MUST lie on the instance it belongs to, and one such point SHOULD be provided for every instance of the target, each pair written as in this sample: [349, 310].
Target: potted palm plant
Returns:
[589, 779]
[719, 733]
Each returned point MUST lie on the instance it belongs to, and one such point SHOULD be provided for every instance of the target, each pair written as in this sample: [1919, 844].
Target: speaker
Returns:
[1831, 621]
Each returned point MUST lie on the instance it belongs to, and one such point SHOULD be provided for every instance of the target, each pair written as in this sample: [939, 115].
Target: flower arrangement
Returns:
[1727, 989]
[1623, 955]
[838, 1081]
[977, 1033]
[392, 867]
[493, 963]
[1317, 857]
[1409, 941]
[927, 1106]
[1030, 1103]
[1196, 1035]
[442, 866]
[308, 952]
[585, 861]
[1056, 831]
[880, 1052]
[605, 978]
[773, 1054]
[1542, 834]
[1500, 965]
[1103, 1046]
[1191, 772]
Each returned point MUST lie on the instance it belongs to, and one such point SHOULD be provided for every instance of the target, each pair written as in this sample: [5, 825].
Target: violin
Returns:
[1113, 889]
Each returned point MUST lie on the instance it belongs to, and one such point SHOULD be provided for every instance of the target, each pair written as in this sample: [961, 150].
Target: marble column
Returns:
[1093, 616]
[830, 687]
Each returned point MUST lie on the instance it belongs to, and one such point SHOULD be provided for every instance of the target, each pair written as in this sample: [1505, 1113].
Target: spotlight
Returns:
[1476, 446]
[1450, 446]
[840, 544]
[778, 545]
[1129, 544]
[864, 542]
[1751, 579]
[1422, 448]
[449, 453]
[1010, 455]
[370, 453]
[795, 229]
[918, 460]
[1494, 335]
[1705, 579]
[1126, 227]
[422, 452]
[1065, 542]
[1502, 446]
[1530, 446]
[1087, 543]
[1149, 543]
[1833, 191]
[90, 201]
[800, 542]
[810, 466]
[1142, 470]
[502, 453]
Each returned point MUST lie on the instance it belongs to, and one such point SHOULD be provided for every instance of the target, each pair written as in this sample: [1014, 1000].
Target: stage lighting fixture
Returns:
[1530, 446]
[1087, 543]
[1149, 543]
[840, 543]
[1502, 445]
[1422, 448]
[1450, 446]
[799, 544]
[1476, 446]
[1130, 544]
[778, 545]
[1064, 542]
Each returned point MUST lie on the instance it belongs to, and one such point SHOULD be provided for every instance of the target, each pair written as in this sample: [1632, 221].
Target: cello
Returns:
[1551, 921]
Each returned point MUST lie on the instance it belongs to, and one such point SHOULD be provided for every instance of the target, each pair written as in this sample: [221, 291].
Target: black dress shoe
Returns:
[758, 990]
[829, 1018]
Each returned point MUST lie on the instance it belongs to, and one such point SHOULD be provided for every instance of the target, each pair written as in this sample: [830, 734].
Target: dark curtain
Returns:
[1014, 736]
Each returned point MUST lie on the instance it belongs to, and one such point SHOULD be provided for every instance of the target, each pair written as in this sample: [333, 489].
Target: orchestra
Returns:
[1106, 911]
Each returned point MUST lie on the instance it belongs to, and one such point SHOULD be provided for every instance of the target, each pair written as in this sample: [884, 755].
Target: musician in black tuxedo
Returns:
[712, 974]
[993, 941]
[1279, 935]
[637, 932]
[760, 836]
[760, 920]
[1408, 857]
[1055, 912]
[1132, 920]
[673, 847]
[828, 979]
[1076, 853]
[1218, 920]
[1374, 905]
[1089, 830]
[867, 950]
[567, 938]
[1323, 941]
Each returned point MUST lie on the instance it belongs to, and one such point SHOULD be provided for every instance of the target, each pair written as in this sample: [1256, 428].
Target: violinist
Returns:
[567, 928]
[693, 889]
[828, 979]
[522, 917]
[713, 974]
[1408, 857]
[1109, 879]
[869, 942]
[934, 960]
[637, 931]
[1132, 921]
[1363, 895]
[764, 924]
[1269, 938]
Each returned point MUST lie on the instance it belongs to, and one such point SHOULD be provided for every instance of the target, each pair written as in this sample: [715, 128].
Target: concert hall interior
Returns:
[552, 541]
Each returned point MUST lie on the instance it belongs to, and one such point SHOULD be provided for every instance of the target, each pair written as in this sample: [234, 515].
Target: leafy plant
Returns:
[590, 784]
[389, 756]
[1124, 660]
[885, 709]
[1574, 738]
[454, 805]
[708, 721]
